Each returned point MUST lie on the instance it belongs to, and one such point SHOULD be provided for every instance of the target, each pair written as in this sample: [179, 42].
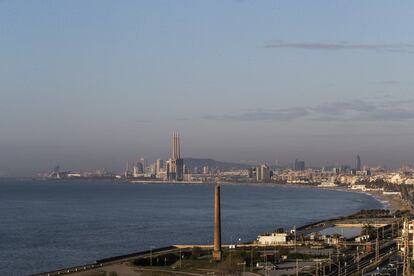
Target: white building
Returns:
[274, 238]
[358, 187]
[397, 179]
[263, 173]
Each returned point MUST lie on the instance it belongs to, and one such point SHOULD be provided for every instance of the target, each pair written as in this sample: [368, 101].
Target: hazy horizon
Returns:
[93, 84]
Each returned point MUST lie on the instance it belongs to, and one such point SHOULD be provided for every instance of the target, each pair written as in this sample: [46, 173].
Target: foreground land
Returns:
[301, 256]
[373, 251]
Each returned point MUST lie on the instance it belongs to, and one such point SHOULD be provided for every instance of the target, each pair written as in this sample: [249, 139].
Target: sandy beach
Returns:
[390, 202]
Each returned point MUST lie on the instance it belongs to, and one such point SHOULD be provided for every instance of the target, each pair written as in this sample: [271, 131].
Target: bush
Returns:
[196, 253]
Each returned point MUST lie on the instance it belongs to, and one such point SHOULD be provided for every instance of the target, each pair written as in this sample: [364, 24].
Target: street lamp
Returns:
[345, 268]
[180, 257]
[151, 247]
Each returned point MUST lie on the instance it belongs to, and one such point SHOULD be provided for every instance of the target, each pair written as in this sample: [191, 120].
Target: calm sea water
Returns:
[54, 224]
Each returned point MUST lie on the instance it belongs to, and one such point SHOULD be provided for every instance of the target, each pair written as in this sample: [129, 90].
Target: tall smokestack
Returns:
[173, 146]
[178, 146]
[217, 224]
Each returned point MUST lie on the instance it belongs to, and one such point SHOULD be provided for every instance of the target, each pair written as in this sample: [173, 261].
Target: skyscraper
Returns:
[159, 165]
[175, 168]
[299, 165]
[262, 173]
[144, 164]
[358, 166]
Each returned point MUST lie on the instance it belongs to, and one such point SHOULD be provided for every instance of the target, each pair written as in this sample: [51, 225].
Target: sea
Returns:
[48, 225]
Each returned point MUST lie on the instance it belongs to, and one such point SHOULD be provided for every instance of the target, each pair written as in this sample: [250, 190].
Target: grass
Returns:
[200, 260]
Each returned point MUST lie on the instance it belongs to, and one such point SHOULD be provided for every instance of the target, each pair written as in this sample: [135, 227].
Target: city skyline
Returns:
[219, 137]
[175, 167]
[93, 84]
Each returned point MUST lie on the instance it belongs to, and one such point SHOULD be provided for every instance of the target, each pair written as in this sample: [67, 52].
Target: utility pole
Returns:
[297, 268]
[412, 241]
[357, 258]
[330, 262]
[251, 259]
[339, 268]
[180, 257]
[294, 229]
[377, 246]
[345, 269]
[151, 256]
[406, 263]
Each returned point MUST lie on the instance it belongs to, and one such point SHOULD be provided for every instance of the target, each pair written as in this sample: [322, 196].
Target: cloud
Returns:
[390, 82]
[389, 47]
[392, 110]
[341, 107]
[143, 121]
[286, 114]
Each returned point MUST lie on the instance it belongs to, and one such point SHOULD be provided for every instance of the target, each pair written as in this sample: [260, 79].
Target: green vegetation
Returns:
[234, 261]
[368, 229]
[158, 273]
[95, 273]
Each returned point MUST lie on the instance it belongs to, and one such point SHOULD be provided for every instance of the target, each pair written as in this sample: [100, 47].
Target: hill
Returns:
[212, 164]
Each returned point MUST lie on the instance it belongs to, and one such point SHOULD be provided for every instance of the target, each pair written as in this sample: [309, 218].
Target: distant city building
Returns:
[262, 173]
[206, 170]
[139, 167]
[250, 173]
[299, 165]
[151, 169]
[159, 166]
[358, 166]
[345, 169]
[144, 164]
[126, 170]
[367, 172]
[175, 168]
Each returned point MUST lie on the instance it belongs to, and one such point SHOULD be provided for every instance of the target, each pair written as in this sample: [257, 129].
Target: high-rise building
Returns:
[358, 164]
[159, 165]
[262, 173]
[175, 168]
[138, 170]
[126, 170]
[144, 164]
[299, 165]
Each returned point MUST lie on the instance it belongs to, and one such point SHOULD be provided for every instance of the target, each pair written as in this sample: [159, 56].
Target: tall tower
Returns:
[217, 224]
[358, 166]
[176, 163]
[176, 150]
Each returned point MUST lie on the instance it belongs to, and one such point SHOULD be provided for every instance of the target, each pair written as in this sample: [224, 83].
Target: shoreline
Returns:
[387, 203]
[390, 202]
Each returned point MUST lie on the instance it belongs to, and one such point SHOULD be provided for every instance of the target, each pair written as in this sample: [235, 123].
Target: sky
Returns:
[92, 84]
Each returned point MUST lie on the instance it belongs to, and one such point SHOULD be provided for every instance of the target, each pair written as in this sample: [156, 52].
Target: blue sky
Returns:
[91, 84]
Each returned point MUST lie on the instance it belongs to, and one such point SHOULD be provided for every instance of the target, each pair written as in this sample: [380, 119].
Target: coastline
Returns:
[389, 202]
[383, 200]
